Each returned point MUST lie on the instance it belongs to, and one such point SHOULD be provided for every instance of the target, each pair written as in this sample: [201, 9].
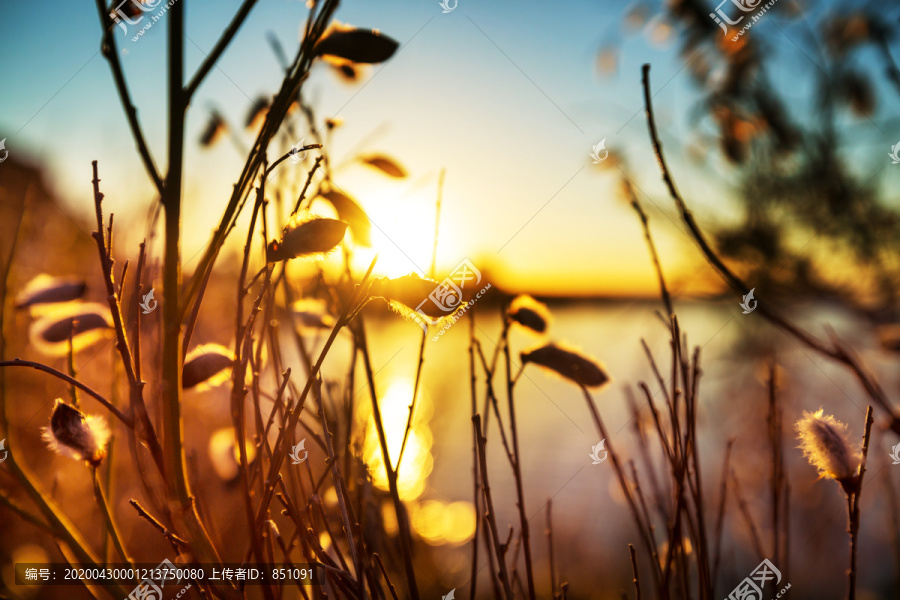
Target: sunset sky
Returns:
[507, 97]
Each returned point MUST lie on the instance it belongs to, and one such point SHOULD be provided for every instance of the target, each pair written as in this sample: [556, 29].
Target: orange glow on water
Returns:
[417, 459]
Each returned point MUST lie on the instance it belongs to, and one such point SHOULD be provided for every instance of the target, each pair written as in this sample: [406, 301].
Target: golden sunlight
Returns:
[417, 460]
[404, 244]
[441, 522]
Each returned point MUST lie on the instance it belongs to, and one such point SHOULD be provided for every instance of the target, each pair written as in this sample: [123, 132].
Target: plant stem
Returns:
[499, 549]
[634, 570]
[517, 470]
[400, 509]
[108, 518]
[108, 47]
[837, 351]
[853, 505]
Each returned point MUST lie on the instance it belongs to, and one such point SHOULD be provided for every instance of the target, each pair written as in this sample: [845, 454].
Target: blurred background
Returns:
[779, 141]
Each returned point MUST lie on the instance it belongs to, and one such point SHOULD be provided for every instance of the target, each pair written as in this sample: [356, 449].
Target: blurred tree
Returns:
[795, 181]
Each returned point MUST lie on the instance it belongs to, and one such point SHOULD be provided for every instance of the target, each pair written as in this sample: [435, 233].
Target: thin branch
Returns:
[125, 419]
[634, 570]
[173, 539]
[837, 351]
[490, 517]
[108, 48]
[108, 517]
[214, 55]
[385, 575]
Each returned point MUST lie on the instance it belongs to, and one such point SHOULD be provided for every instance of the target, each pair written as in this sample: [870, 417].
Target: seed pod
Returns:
[306, 235]
[406, 294]
[45, 289]
[86, 323]
[571, 365]
[824, 442]
[76, 435]
[530, 313]
[357, 45]
[206, 364]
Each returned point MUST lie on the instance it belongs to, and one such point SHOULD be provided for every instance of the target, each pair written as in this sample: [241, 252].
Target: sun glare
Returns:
[417, 460]
[402, 235]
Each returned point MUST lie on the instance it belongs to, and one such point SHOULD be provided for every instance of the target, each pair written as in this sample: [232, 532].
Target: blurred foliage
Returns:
[791, 148]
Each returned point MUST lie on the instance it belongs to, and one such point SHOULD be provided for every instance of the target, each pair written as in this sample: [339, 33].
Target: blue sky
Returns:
[505, 96]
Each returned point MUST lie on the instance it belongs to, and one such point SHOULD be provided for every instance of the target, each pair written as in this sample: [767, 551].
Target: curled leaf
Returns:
[568, 364]
[45, 289]
[86, 323]
[349, 211]
[207, 365]
[357, 45]
[306, 235]
[386, 165]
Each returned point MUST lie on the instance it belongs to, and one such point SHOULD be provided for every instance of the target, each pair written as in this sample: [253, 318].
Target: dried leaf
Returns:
[306, 235]
[206, 364]
[45, 289]
[86, 323]
[349, 211]
[568, 364]
[357, 45]
[386, 165]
